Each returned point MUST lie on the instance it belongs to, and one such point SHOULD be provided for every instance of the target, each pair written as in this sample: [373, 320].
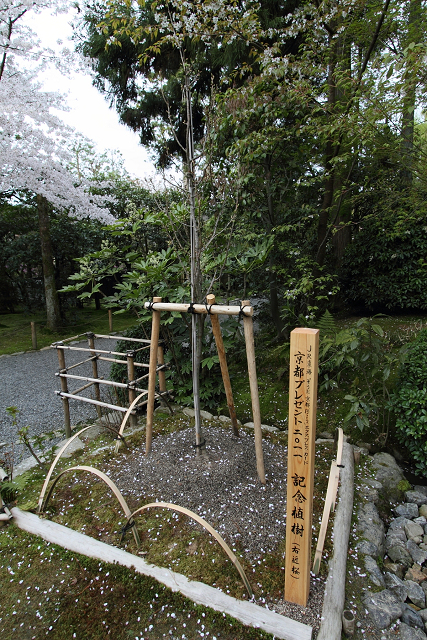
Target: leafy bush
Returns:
[410, 402]
[362, 355]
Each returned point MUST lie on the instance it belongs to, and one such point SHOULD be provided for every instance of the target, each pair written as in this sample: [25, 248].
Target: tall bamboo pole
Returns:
[64, 388]
[216, 328]
[91, 342]
[130, 357]
[253, 383]
[155, 327]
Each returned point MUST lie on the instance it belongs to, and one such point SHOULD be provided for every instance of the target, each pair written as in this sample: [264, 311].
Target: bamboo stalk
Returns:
[161, 369]
[101, 335]
[110, 320]
[33, 335]
[130, 356]
[64, 388]
[155, 327]
[135, 364]
[91, 343]
[216, 328]
[85, 386]
[253, 383]
[201, 308]
[114, 407]
[73, 366]
[111, 353]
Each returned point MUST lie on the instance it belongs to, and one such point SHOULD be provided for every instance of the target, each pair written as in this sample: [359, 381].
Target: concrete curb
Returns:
[333, 603]
[247, 612]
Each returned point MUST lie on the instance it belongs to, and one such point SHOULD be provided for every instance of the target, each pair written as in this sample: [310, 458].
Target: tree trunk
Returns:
[196, 273]
[408, 114]
[271, 222]
[51, 295]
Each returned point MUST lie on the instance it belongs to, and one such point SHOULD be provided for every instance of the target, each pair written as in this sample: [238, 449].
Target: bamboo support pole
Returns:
[161, 369]
[91, 343]
[253, 383]
[33, 335]
[201, 308]
[110, 320]
[85, 386]
[64, 388]
[73, 366]
[130, 356]
[135, 364]
[63, 347]
[101, 335]
[216, 328]
[111, 383]
[91, 401]
[155, 327]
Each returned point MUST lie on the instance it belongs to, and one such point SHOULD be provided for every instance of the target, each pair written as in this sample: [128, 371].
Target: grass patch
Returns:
[15, 329]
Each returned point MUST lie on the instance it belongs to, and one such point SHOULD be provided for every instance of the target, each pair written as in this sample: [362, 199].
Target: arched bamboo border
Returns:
[113, 488]
[208, 527]
[59, 454]
[126, 417]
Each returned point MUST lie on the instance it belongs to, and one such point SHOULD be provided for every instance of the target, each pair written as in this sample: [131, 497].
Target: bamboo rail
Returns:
[216, 309]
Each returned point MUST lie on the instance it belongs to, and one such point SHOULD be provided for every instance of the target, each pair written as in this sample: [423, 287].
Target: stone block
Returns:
[397, 569]
[413, 530]
[418, 555]
[415, 593]
[409, 633]
[383, 607]
[412, 618]
[372, 527]
[407, 510]
[400, 555]
[416, 497]
[374, 572]
[396, 585]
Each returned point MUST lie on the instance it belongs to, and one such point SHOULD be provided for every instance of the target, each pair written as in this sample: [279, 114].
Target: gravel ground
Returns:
[222, 487]
[28, 382]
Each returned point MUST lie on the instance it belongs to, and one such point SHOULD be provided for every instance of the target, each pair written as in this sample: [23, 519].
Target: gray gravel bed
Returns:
[222, 487]
[28, 382]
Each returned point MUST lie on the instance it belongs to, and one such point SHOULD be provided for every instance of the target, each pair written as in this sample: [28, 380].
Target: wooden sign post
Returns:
[301, 436]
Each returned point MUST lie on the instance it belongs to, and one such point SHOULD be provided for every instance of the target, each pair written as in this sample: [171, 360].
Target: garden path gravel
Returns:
[28, 381]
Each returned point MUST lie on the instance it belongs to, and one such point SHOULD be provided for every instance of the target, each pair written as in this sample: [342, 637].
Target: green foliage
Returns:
[361, 356]
[385, 266]
[39, 442]
[410, 402]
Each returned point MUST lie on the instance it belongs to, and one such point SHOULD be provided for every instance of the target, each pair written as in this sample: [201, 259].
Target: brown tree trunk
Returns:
[53, 312]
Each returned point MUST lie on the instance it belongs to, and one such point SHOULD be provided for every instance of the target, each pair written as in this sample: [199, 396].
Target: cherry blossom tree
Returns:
[34, 143]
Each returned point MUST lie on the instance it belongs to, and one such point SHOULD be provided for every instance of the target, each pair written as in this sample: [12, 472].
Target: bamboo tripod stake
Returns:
[155, 327]
[216, 328]
[253, 383]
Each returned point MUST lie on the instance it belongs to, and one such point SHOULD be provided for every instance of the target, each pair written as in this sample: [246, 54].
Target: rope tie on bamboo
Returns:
[150, 304]
[129, 525]
[208, 307]
[341, 466]
[241, 312]
[191, 308]
[199, 446]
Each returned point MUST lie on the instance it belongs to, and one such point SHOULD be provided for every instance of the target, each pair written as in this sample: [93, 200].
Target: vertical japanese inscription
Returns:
[301, 437]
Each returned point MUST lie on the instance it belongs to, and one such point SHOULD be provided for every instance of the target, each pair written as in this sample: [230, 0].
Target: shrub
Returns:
[410, 402]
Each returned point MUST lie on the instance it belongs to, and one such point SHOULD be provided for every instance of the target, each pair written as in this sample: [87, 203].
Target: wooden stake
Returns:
[33, 335]
[162, 376]
[91, 342]
[110, 320]
[216, 328]
[302, 434]
[130, 357]
[155, 327]
[253, 383]
[64, 388]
